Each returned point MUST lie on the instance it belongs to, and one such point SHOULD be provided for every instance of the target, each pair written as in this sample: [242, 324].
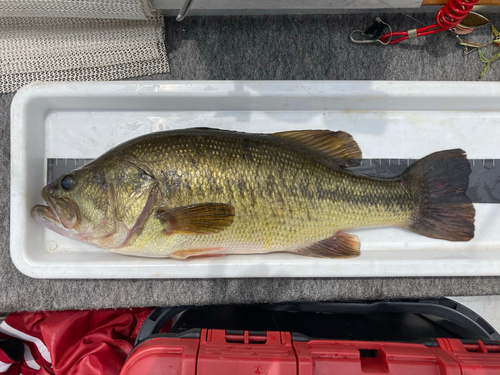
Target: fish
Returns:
[210, 192]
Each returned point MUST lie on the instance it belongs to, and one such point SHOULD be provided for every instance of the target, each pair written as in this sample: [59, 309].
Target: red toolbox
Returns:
[472, 345]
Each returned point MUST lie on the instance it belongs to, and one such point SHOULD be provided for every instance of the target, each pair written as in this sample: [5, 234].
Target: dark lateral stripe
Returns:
[370, 198]
[484, 181]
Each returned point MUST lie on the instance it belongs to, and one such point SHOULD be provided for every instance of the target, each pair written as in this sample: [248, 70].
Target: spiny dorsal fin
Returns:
[204, 218]
[338, 145]
[340, 245]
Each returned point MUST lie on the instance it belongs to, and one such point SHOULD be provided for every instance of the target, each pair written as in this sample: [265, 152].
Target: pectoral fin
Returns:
[341, 245]
[204, 218]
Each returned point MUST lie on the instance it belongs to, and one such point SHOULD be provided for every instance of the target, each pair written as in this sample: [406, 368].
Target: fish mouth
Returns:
[50, 205]
[45, 216]
[40, 211]
[59, 212]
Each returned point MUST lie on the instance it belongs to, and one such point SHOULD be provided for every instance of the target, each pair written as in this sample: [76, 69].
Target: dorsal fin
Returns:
[338, 145]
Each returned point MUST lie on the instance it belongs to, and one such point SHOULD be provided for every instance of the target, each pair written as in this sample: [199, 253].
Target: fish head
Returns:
[105, 204]
[79, 205]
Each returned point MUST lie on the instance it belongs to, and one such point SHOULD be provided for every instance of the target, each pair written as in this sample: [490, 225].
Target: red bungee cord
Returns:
[446, 18]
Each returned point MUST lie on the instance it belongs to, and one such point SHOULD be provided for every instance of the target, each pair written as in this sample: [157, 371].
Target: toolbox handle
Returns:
[156, 320]
[445, 308]
[448, 309]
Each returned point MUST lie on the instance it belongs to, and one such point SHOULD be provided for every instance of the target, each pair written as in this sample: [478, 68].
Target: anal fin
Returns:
[340, 245]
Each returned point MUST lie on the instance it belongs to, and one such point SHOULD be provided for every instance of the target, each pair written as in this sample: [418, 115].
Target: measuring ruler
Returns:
[484, 181]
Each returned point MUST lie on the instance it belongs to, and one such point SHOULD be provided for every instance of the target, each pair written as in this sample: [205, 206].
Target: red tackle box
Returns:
[468, 345]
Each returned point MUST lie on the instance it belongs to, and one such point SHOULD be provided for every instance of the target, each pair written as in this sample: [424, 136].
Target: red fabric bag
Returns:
[69, 342]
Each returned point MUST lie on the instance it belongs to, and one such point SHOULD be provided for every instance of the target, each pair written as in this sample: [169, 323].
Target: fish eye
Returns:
[68, 182]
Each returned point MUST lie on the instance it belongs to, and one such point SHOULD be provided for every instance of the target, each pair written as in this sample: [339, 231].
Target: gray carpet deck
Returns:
[271, 48]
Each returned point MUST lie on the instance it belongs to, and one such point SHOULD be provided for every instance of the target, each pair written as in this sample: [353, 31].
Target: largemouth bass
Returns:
[202, 191]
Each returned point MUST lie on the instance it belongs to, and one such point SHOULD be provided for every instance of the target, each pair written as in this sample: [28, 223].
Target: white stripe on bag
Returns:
[29, 358]
[4, 366]
[8, 330]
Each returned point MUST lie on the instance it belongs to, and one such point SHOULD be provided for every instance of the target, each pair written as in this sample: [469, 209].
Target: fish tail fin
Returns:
[439, 182]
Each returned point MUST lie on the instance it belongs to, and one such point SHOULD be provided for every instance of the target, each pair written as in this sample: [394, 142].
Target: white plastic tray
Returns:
[388, 120]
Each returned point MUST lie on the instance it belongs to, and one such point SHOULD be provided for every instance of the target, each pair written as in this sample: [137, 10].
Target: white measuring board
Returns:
[389, 120]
